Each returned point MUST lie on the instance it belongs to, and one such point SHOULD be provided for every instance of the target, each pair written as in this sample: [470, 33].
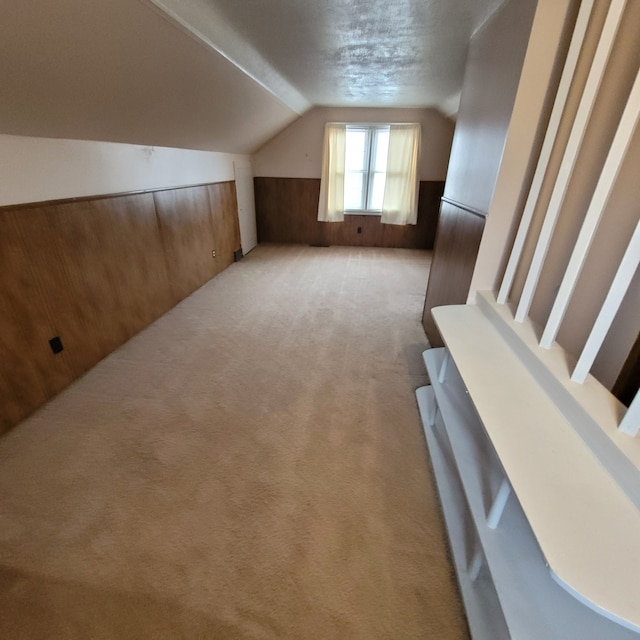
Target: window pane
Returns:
[353, 190]
[377, 191]
[382, 148]
[354, 153]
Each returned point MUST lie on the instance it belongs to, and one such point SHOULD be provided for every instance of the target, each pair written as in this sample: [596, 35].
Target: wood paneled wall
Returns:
[287, 211]
[226, 228]
[456, 249]
[95, 272]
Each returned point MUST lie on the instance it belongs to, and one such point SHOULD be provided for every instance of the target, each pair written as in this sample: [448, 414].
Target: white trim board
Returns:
[534, 606]
[586, 525]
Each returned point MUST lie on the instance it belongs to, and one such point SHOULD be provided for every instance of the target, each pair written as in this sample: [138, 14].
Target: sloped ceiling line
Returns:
[223, 75]
[361, 53]
[215, 32]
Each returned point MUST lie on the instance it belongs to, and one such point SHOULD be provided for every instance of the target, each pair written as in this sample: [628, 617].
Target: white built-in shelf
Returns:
[484, 614]
[515, 595]
[593, 411]
[587, 527]
[536, 601]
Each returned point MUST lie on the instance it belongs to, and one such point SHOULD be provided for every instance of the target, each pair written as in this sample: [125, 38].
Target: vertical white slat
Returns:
[499, 503]
[631, 422]
[443, 367]
[577, 38]
[475, 565]
[594, 79]
[596, 208]
[612, 302]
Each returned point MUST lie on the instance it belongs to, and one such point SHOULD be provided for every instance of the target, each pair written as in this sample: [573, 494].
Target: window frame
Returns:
[371, 145]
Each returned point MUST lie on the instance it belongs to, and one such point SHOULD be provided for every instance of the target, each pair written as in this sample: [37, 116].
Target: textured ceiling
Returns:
[343, 52]
[223, 75]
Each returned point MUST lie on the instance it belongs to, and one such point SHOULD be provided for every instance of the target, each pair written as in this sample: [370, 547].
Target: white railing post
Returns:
[587, 101]
[568, 70]
[610, 306]
[610, 170]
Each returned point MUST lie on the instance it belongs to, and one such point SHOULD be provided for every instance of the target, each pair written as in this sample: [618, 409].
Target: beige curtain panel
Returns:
[400, 201]
[331, 205]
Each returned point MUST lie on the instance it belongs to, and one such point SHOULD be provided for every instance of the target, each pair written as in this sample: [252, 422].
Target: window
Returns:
[366, 150]
[370, 168]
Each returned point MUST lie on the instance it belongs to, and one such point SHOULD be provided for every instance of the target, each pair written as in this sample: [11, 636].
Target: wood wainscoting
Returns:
[287, 211]
[454, 258]
[94, 272]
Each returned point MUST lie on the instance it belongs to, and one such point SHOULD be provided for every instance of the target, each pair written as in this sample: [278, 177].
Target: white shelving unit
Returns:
[506, 584]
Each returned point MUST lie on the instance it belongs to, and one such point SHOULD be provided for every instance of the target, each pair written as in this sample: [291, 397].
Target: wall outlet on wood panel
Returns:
[56, 345]
[172, 227]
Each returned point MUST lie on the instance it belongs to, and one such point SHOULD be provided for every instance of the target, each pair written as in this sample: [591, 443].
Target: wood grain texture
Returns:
[226, 228]
[29, 372]
[138, 266]
[114, 279]
[59, 245]
[454, 258]
[187, 232]
[94, 272]
[287, 211]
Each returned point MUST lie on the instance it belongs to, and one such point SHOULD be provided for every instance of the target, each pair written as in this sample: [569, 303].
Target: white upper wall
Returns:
[38, 169]
[296, 152]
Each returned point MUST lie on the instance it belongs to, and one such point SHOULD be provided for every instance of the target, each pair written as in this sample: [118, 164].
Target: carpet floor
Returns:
[250, 466]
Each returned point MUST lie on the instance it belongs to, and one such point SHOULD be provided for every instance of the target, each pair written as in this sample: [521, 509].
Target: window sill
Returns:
[358, 212]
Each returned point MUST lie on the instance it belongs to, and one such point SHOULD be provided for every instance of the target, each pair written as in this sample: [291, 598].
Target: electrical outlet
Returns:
[213, 253]
[56, 345]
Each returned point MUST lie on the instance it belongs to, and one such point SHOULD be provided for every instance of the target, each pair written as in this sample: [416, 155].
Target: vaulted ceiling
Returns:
[222, 75]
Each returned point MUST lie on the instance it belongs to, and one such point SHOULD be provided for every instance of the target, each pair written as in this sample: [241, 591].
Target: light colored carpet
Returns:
[251, 466]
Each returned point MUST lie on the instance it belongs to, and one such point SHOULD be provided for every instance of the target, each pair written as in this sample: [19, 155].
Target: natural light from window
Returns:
[370, 169]
[365, 167]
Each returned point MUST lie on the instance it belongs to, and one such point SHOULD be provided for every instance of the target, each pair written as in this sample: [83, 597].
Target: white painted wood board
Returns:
[484, 614]
[587, 528]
